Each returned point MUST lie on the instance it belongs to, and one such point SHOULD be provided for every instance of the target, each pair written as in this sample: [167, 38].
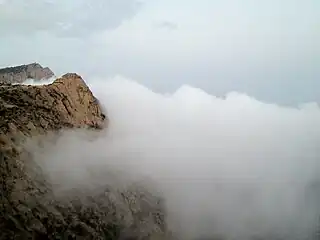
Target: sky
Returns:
[208, 154]
[268, 49]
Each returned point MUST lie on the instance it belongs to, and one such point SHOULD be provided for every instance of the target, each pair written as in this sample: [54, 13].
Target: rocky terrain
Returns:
[19, 74]
[29, 208]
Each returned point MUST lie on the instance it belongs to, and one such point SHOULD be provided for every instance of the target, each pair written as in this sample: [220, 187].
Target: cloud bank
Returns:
[233, 167]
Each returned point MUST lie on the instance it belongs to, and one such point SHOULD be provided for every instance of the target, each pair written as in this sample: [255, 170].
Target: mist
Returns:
[234, 167]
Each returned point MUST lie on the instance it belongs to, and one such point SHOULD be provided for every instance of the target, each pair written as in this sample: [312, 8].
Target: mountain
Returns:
[19, 74]
[29, 208]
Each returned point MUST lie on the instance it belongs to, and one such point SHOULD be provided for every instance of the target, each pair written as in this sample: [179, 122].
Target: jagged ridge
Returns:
[19, 74]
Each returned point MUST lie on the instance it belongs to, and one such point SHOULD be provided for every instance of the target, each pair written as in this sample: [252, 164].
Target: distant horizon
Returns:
[296, 105]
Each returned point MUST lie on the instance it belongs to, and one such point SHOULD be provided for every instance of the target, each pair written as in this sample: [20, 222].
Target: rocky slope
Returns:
[29, 209]
[19, 74]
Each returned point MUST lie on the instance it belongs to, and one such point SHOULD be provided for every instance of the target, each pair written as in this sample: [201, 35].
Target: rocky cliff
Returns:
[19, 74]
[29, 209]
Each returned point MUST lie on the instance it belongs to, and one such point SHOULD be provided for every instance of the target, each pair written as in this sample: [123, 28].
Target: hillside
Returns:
[28, 206]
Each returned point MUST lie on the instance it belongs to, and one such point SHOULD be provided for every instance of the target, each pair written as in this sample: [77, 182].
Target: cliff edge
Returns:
[66, 103]
[29, 209]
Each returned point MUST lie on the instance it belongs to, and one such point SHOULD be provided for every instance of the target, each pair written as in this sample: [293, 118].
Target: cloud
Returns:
[167, 25]
[253, 47]
[64, 18]
[230, 166]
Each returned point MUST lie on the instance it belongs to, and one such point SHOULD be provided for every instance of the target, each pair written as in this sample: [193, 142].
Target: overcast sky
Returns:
[269, 49]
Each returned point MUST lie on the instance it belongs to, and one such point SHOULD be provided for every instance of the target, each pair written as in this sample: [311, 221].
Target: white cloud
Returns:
[269, 49]
[234, 166]
[167, 25]
[65, 18]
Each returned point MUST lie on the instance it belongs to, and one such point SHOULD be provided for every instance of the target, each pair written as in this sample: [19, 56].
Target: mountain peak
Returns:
[19, 74]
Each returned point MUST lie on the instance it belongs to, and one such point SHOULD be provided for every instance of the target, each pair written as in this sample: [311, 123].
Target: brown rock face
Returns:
[21, 73]
[67, 102]
[29, 208]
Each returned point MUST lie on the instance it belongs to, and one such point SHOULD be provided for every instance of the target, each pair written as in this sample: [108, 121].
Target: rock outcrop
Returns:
[19, 74]
[67, 102]
[29, 209]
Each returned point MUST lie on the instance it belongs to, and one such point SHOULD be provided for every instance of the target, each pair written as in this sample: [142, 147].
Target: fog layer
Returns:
[230, 166]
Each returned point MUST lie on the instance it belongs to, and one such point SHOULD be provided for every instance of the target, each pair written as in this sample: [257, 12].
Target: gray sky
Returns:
[269, 49]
